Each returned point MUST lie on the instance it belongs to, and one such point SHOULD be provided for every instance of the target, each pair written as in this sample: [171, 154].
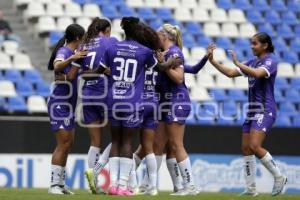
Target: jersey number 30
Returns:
[124, 67]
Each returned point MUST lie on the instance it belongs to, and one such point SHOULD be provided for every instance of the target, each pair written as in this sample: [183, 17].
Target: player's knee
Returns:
[175, 146]
[254, 147]
[246, 150]
[66, 145]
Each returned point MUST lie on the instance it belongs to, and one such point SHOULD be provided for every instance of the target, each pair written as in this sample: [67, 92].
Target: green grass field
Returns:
[41, 194]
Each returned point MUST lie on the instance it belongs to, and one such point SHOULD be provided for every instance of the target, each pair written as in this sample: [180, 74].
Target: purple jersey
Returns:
[261, 90]
[96, 48]
[150, 94]
[170, 91]
[127, 61]
[63, 90]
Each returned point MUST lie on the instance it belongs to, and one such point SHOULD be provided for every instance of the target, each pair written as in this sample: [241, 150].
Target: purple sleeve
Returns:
[104, 62]
[269, 66]
[151, 60]
[196, 68]
[61, 55]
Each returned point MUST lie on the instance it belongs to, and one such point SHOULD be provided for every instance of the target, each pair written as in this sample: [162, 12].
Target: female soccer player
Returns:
[261, 73]
[175, 108]
[62, 103]
[127, 61]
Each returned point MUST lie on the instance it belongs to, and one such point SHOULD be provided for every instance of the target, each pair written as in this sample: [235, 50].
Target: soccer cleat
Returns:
[252, 193]
[56, 190]
[189, 191]
[150, 191]
[140, 190]
[89, 174]
[67, 190]
[124, 192]
[113, 190]
[279, 184]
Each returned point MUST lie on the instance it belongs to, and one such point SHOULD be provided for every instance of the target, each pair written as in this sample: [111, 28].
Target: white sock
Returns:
[174, 172]
[56, 175]
[250, 172]
[271, 166]
[185, 168]
[159, 159]
[93, 156]
[114, 167]
[63, 176]
[151, 169]
[133, 178]
[103, 160]
[125, 169]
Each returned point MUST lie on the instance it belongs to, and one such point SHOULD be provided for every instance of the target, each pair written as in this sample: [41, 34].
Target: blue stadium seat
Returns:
[24, 88]
[127, 11]
[283, 121]
[278, 96]
[146, 13]
[204, 41]
[99, 2]
[2, 104]
[237, 95]
[261, 5]
[194, 28]
[81, 2]
[295, 83]
[110, 11]
[243, 4]
[289, 18]
[224, 43]
[43, 89]
[287, 109]
[293, 5]
[155, 24]
[1, 76]
[205, 117]
[285, 31]
[119, 3]
[281, 83]
[296, 121]
[278, 5]
[54, 36]
[242, 43]
[191, 120]
[272, 17]
[240, 120]
[218, 94]
[164, 14]
[188, 41]
[229, 108]
[16, 104]
[290, 57]
[225, 122]
[292, 95]
[295, 45]
[267, 28]
[13, 75]
[280, 44]
[32, 76]
[225, 4]
[255, 17]
[297, 30]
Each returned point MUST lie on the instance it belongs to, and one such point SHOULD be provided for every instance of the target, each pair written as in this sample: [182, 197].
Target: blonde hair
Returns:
[173, 33]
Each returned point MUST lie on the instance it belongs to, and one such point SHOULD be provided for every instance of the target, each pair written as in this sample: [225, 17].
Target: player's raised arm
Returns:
[196, 68]
[227, 71]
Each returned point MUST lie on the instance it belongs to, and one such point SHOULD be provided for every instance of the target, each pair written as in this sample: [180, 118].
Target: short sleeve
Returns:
[176, 54]
[269, 66]
[104, 62]
[60, 55]
[151, 60]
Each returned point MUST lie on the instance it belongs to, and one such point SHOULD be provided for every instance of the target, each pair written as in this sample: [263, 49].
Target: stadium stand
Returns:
[228, 23]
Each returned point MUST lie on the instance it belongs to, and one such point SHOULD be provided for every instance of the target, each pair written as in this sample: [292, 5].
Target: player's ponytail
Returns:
[73, 32]
[98, 25]
[173, 33]
[265, 38]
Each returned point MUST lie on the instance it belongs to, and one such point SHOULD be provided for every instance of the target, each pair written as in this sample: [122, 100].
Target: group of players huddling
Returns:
[137, 85]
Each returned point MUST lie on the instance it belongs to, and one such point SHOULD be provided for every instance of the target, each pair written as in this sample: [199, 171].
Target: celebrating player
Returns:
[261, 73]
[62, 103]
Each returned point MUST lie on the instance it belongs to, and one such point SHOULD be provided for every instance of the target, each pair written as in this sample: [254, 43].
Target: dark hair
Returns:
[97, 25]
[72, 32]
[265, 38]
[140, 32]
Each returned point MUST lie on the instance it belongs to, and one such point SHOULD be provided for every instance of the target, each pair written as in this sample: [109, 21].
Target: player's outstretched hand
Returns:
[234, 57]
[161, 55]
[174, 62]
[210, 51]
[80, 54]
